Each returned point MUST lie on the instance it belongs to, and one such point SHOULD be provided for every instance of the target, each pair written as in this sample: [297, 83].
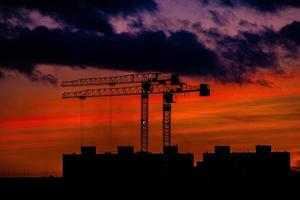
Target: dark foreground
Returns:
[205, 188]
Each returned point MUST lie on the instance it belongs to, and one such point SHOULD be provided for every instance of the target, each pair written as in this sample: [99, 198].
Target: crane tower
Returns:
[150, 83]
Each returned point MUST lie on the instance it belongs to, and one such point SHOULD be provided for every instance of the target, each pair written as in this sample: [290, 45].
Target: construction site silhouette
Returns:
[127, 164]
[126, 171]
[171, 173]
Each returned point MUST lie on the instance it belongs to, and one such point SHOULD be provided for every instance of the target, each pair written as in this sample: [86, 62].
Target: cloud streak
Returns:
[260, 5]
[91, 15]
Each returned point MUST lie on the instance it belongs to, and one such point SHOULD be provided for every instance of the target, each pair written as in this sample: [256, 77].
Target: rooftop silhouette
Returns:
[263, 163]
[127, 173]
[125, 163]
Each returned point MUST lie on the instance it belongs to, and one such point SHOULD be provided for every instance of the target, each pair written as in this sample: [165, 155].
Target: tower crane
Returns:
[145, 79]
[152, 83]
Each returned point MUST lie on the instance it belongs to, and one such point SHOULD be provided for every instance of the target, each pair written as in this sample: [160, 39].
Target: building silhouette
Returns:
[168, 174]
[172, 167]
[126, 164]
[260, 164]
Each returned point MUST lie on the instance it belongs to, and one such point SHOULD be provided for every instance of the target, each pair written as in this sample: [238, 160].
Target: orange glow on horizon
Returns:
[39, 126]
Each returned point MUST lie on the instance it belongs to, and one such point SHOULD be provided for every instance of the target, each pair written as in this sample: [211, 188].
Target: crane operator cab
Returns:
[204, 90]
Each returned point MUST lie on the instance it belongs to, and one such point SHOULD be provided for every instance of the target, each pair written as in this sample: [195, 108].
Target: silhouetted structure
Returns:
[126, 164]
[147, 83]
[169, 174]
[260, 164]
[173, 171]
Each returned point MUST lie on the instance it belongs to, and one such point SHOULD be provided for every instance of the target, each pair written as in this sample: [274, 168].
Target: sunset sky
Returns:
[248, 51]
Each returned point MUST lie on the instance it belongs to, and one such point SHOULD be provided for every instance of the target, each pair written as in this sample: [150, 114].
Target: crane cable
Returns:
[82, 121]
[110, 123]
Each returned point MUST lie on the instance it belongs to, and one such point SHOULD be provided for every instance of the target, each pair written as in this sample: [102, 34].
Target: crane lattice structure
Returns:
[124, 79]
[151, 83]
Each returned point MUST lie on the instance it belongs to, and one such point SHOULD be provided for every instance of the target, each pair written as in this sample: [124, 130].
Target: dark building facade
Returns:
[173, 167]
[262, 163]
[126, 164]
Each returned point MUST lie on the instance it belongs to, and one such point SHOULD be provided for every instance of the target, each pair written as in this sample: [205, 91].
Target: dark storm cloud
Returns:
[261, 5]
[148, 51]
[179, 52]
[89, 15]
[291, 34]
[246, 50]
[245, 53]
[287, 37]
[84, 15]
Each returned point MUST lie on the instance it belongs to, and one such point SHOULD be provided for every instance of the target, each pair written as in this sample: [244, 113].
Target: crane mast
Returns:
[167, 107]
[144, 121]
